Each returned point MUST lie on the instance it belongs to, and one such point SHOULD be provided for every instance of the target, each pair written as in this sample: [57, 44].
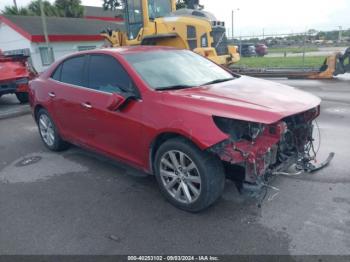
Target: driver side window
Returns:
[107, 75]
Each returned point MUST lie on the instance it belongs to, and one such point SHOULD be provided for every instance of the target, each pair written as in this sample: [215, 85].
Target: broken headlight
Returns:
[238, 129]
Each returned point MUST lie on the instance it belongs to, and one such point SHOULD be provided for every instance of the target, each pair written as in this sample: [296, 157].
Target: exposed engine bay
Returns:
[283, 148]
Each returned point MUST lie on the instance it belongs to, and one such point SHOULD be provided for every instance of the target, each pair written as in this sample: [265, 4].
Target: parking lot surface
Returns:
[11, 107]
[77, 202]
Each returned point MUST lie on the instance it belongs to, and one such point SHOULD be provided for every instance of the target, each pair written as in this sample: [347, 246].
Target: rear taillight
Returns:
[22, 85]
[22, 81]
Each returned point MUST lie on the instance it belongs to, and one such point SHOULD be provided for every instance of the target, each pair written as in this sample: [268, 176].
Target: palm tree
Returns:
[62, 8]
[112, 4]
[69, 8]
[12, 10]
[49, 9]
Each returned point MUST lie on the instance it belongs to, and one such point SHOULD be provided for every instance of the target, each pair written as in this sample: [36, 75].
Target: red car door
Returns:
[117, 133]
[65, 88]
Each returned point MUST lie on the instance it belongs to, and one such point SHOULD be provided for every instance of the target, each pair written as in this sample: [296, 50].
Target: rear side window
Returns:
[107, 75]
[72, 71]
[57, 74]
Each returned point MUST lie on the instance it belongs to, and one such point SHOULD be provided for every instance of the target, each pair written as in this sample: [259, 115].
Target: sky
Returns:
[269, 16]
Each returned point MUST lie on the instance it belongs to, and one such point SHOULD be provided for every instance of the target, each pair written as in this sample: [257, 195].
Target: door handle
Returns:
[86, 105]
[52, 95]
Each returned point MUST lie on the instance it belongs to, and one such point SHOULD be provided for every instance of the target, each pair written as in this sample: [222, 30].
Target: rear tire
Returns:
[22, 97]
[48, 132]
[197, 181]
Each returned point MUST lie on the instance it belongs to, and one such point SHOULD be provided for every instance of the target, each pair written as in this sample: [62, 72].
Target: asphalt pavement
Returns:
[11, 107]
[77, 202]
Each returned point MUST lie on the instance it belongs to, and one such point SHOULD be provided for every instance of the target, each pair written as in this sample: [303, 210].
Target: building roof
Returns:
[59, 28]
[100, 13]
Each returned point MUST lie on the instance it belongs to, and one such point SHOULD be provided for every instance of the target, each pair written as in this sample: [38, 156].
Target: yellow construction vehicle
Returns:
[157, 22]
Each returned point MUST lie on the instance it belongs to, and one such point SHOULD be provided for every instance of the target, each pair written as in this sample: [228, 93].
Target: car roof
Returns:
[130, 50]
[111, 51]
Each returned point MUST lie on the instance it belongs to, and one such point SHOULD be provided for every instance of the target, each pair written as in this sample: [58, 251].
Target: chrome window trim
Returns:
[87, 88]
[80, 87]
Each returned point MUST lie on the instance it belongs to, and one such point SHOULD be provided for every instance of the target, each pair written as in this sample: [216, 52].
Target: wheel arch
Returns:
[37, 108]
[160, 139]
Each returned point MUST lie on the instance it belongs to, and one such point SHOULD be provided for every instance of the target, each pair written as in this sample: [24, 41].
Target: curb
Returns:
[23, 110]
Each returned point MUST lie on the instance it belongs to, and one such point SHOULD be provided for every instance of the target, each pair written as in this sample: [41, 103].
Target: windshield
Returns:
[165, 69]
[159, 8]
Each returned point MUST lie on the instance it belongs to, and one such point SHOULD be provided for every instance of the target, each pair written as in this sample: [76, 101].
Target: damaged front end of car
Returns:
[263, 151]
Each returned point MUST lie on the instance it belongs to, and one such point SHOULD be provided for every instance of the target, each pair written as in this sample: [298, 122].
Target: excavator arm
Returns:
[343, 63]
[114, 37]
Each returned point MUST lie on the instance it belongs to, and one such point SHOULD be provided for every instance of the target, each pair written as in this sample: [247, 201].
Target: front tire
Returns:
[188, 178]
[22, 97]
[48, 132]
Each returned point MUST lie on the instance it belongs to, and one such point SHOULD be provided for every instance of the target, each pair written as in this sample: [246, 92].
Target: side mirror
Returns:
[117, 101]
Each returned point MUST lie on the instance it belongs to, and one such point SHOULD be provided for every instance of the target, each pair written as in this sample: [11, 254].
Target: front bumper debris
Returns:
[261, 187]
[306, 167]
[273, 153]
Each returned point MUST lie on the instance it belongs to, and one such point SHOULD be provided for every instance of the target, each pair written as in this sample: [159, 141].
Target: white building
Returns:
[24, 35]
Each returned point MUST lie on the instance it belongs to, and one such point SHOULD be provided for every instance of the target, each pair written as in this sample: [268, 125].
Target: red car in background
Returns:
[15, 73]
[176, 115]
[261, 49]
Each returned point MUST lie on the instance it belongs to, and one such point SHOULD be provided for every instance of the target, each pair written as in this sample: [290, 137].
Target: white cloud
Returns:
[279, 15]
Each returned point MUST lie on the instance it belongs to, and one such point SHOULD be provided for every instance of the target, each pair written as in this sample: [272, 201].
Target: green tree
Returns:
[34, 8]
[61, 8]
[312, 32]
[12, 10]
[112, 4]
[69, 8]
[321, 35]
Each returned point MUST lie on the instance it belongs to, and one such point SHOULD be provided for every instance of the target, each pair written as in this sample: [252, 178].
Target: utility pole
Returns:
[43, 21]
[233, 30]
[263, 34]
[15, 4]
[340, 34]
[233, 22]
[304, 49]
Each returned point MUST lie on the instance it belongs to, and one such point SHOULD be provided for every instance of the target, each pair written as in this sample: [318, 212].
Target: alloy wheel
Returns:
[180, 176]
[47, 130]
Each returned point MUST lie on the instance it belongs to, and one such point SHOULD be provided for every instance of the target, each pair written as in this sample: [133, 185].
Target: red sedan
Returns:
[176, 115]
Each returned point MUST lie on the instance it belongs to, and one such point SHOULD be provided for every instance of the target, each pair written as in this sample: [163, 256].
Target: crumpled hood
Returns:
[244, 98]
